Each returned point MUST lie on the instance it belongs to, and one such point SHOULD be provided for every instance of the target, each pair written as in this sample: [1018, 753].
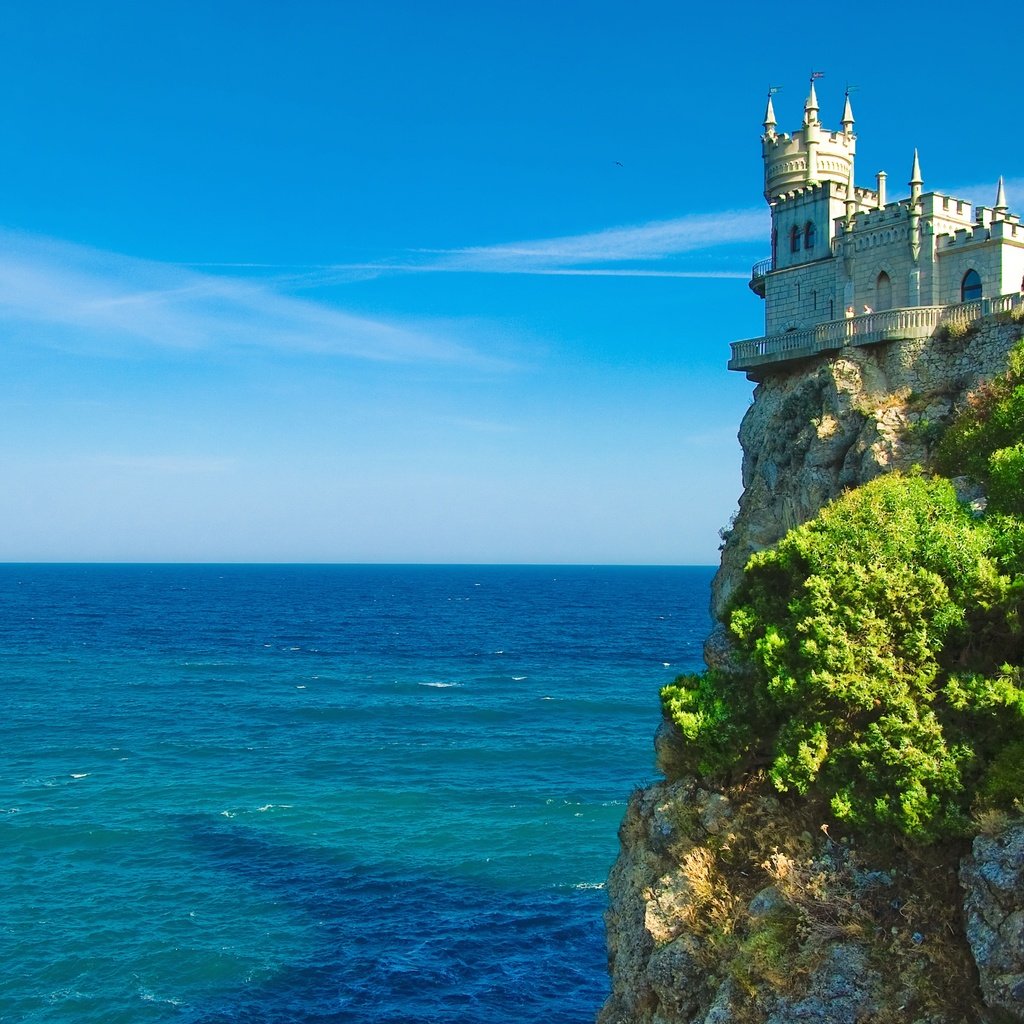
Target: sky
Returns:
[417, 282]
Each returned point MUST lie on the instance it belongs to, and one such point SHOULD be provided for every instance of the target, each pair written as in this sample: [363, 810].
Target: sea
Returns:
[234, 793]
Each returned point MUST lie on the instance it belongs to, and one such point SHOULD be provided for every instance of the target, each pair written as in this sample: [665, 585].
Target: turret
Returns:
[812, 128]
[851, 191]
[916, 181]
[811, 107]
[769, 118]
[810, 156]
[847, 121]
[1000, 210]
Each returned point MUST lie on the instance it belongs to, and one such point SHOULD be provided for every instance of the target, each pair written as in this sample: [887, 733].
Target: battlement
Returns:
[816, 191]
[869, 219]
[1009, 229]
[935, 203]
[792, 162]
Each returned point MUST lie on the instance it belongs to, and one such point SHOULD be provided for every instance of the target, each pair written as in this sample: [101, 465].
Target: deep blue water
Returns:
[322, 793]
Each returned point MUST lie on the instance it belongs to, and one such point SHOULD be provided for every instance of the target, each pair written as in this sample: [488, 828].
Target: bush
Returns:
[861, 630]
[956, 330]
[993, 420]
[1006, 480]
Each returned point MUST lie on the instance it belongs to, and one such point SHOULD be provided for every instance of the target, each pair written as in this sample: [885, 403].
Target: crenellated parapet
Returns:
[789, 163]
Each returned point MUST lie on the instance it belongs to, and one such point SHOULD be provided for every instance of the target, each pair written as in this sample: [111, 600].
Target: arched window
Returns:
[794, 239]
[809, 235]
[883, 291]
[970, 286]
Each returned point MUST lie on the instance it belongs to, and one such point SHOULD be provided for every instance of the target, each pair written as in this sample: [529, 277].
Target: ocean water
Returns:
[337, 793]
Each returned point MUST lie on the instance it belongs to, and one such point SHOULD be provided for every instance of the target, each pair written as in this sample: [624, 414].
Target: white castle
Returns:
[849, 267]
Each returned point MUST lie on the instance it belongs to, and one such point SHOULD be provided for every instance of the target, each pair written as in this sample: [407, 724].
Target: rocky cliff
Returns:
[729, 905]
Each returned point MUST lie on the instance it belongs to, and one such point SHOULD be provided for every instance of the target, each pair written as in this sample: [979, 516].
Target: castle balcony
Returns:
[757, 275]
[757, 355]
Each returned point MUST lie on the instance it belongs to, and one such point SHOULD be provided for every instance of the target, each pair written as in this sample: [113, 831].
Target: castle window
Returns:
[883, 291]
[809, 235]
[970, 286]
[794, 239]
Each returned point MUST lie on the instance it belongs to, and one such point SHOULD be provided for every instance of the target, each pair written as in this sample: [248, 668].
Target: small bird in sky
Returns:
[617, 164]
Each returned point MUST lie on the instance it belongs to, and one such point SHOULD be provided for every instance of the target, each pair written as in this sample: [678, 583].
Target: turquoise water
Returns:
[346, 793]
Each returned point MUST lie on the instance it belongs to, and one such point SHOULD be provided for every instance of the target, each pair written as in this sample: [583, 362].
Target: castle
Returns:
[850, 267]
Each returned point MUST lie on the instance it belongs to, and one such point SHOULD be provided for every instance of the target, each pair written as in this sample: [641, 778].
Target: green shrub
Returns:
[993, 420]
[851, 628]
[1006, 480]
[956, 330]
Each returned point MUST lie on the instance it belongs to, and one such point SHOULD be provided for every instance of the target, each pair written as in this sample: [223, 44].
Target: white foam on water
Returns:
[80, 775]
[441, 686]
[150, 997]
[518, 679]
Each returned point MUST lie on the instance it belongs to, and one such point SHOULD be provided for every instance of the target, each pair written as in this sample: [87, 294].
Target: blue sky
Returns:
[414, 282]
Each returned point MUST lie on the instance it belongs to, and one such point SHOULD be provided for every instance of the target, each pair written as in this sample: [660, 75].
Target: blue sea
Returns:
[322, 793]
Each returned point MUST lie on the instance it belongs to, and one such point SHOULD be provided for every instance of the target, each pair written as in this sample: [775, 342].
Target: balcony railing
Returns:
[757, 273]
[869, 329]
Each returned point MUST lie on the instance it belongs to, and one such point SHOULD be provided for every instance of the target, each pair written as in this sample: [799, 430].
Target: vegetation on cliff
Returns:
[882, 643]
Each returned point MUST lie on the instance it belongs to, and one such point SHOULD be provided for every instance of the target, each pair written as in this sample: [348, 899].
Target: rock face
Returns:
[724, 907]
[993, 881]
[831, 424]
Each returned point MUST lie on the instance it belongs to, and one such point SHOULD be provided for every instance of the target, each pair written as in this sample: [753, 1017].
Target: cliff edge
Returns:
[730, 903]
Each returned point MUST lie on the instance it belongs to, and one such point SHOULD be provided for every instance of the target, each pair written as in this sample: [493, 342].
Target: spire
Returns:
[769, 115]
[847, 121]
[811, 106]
[915, 173]
[1000, 209]
[916, 181]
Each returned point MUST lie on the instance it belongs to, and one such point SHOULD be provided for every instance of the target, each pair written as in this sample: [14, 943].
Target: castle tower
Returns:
[808, 157]
[808, 184]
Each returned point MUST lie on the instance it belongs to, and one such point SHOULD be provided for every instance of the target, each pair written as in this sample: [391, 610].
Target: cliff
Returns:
[731, 904]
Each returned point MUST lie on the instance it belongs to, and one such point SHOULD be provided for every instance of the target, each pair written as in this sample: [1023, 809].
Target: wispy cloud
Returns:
[640, 250]
[654, 241]
[428, 268]
[86, 296]
[75, 296]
